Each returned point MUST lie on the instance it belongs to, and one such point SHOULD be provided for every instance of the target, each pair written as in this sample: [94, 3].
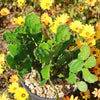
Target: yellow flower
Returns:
[21, 94]
[76, 26]
[72, 98]
[87, 31]
[80, 8]
[90, 2]
[13, 78]
[4, 11]
[94, 52]
[46, 4]
[4, 96]
[45, 19]
[91, 42]
[98, 34]
[20, 2]
[97, 74]
[12, 88]
[2, 59]
[86, 95]
[79, 44]
[1, 71]
[13, 21]
[20, 21]
[62, 19]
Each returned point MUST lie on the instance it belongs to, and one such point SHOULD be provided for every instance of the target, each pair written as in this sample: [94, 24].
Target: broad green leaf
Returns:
[43, 53]
[11, 37]
[85, 52]
[17, 51]
[11, 62]
[32, 23]
[75, 65]
[43, 82]
[88, 76]
[71, 78]
[46, 71]
[63, 33]
[91, 62]
[82, 86]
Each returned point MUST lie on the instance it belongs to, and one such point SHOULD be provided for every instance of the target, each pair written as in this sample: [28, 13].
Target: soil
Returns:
[47, 90]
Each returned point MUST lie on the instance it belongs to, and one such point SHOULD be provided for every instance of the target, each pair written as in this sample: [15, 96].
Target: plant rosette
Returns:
[51, 58]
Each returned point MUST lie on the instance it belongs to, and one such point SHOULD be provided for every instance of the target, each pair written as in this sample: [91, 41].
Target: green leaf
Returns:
[43, 82]
[32, 23]
[88, 76]
[71, 78]
[75, 65]
[91, 62]
[17, 51]
[60, 75]
[46, 71]
[11, 62]
[11, 37]
[85, 52]
[63, 33]
[82, 86]
[43, 53]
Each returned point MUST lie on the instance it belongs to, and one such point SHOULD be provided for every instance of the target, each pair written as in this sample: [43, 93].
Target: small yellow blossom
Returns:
[46, 4]
[20, 21]
[13, 21]
[79, 44]
[72, 98]
[94, 52]
[12, 88]
[20, 2]
[76, 26]
[80, 8]
[87, 31]
[13, 78]
[45, 19]
[90, 2]
[21, 94]
[91, 42]
[2, 59]
[62, 19]
[4, 11]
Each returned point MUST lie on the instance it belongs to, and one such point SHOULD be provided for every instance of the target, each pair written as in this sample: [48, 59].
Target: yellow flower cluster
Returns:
[2, 62]
[20, 2]
[45, 19]
[4, 11]
[19, 92]
[19, 21]
[85, 31]
[90, 2]
[62, 19]
[46, 4]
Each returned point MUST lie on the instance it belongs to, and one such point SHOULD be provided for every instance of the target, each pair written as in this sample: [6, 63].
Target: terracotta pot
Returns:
[35, 97]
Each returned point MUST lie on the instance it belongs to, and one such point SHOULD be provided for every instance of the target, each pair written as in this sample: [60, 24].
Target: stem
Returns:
[57, 97]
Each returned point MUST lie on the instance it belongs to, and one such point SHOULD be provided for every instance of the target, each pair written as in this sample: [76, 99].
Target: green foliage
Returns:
[85, 52]
[43, 53]
[63, 33]
[82, 86]
[32, 23]
[88, 76]
[71, 78]
[46, 71]
[76, 66]
[91, 62]
[52, 57]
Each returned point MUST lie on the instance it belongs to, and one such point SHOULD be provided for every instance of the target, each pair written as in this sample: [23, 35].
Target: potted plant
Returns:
[50, 57]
